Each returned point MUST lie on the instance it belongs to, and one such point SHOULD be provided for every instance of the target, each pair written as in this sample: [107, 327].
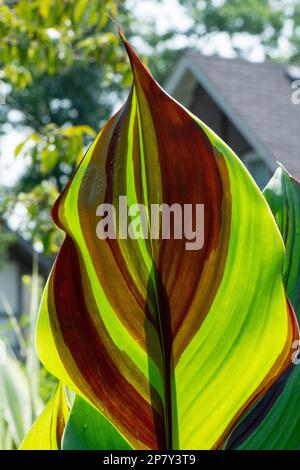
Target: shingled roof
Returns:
[259, 96]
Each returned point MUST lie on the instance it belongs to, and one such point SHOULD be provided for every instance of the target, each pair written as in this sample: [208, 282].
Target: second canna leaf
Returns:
[275, 423]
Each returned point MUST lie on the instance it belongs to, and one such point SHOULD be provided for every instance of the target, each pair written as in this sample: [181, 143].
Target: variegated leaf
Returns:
[170, 345]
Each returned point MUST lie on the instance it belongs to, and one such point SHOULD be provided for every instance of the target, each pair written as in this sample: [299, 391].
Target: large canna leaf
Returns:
[280, 427]
[170, 345]
[46, 433]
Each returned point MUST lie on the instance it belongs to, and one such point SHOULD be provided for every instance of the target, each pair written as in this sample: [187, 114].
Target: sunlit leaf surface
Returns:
[275, 424]
[170, 345]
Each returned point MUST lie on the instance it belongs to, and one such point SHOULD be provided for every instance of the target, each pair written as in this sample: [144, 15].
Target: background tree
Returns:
[62, 63]
[65, 71]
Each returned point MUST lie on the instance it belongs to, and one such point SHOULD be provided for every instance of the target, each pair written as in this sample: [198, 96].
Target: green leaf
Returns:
[72, 131]
[19, 147]
[87, 429]
[45, 6]
[79, 10]
[49, 158]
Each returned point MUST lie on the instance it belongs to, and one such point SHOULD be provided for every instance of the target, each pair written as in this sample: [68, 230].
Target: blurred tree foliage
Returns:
[63, 67]
[65, 70]
[263, 18]
[272, 24]
[6, 238]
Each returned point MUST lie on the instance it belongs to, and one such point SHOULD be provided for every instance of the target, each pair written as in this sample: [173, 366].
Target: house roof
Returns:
[255, 96]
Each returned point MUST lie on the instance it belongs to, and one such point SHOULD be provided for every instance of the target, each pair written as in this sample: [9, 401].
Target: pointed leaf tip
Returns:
[121, 34]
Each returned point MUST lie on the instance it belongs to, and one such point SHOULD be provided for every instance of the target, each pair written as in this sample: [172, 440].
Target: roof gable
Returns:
[255, 96]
